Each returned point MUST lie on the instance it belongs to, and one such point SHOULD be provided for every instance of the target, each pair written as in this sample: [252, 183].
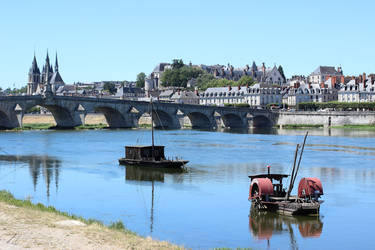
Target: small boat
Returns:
[150, 156]
[267, 192]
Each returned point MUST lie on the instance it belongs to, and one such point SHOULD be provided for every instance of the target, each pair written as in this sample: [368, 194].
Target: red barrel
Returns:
[260, 187]
[310, 187]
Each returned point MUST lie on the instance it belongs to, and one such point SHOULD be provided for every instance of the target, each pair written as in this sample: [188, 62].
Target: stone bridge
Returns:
[70, 112]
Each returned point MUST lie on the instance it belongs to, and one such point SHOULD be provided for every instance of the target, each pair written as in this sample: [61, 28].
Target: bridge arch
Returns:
[162, 119]
[114, 118]
[5, 122]
[232, 121]
[260, 121]
[199, 120]
[64, 118]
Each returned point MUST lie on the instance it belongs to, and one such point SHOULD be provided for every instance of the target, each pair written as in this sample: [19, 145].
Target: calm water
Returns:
[206, 207]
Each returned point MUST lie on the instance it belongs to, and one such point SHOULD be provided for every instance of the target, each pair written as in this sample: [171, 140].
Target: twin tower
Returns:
[38, 82]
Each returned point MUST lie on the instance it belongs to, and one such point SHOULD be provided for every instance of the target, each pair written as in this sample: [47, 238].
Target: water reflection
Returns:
[149, 174]
[49, 167]
[263, 225]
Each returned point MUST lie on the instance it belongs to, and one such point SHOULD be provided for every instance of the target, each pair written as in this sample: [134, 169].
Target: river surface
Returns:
[207, 206]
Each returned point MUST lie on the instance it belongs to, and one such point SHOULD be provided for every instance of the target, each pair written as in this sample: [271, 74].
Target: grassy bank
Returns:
[296, 126]
[359, 127]
[35, 126]
[8, 198]
[92, 126]
[29, 225]
[45, 126]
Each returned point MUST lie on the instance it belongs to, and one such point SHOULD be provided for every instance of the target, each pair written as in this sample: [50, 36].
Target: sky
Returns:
[116, 40]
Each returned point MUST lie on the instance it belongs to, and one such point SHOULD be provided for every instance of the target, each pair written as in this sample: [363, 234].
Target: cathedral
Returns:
[48, 80]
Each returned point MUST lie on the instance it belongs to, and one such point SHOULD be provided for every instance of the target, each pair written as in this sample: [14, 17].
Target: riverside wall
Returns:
[331, 118]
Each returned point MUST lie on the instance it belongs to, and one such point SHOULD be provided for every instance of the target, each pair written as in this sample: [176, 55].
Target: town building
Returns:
[322, 73]
[260, 74]
[49, 78]
[263, 74]
[185, 97]
[361, 89]
[258, 95]
[312, 93]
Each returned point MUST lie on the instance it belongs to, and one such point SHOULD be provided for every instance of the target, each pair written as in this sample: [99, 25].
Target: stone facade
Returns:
[322, 73]
[255, 96]
[358, 91]
[324, 92]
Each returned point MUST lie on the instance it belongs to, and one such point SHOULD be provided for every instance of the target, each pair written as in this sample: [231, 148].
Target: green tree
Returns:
[177, 64]
[141, 77]
[246, 80]
[280, 69]
[110, 87]
[179, 77]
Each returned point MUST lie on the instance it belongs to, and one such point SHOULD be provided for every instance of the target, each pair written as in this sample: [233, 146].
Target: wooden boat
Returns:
[150, 156]
[267, 192]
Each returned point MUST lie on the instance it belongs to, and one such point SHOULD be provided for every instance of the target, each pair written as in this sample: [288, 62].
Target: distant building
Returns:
[260, 74]
[185, 97]
[311, 93]
[359, 89]
[257, 95]
[38, 82]
[129, 93]
[322, 73]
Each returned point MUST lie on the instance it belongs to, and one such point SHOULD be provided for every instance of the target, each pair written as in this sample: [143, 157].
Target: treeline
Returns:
[336, 105]
[180, 74]
[209, 81]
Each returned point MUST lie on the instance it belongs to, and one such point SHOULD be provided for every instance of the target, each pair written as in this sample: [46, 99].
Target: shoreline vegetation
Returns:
[47, 126]
[33, 223]
[297, 126]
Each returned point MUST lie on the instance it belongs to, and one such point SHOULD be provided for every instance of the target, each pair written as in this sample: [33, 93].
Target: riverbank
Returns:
[28, 225]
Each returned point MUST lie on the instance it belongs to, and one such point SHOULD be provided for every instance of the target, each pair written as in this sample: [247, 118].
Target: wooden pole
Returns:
[300, 156]
[291, 177]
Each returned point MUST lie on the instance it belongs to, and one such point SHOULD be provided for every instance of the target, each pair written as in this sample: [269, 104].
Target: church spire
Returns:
[56, 64]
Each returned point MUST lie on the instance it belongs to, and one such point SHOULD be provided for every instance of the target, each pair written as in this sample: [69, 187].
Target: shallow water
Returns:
[207, 206]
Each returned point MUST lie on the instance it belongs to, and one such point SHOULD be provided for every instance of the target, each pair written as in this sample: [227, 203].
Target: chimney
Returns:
[364, 78]
[309, 85]
[239, 87]
[263, 68]
[247, 67]
[229, 88]
[196, 92]
[333, 81]
[342, 79]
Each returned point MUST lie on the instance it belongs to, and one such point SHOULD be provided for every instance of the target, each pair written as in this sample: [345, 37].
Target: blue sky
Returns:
[115, 40]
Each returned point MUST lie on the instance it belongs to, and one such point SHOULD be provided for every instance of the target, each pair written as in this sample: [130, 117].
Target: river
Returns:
[206, 206]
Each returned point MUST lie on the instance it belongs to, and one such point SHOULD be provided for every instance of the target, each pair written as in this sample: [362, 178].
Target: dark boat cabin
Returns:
[144, 153]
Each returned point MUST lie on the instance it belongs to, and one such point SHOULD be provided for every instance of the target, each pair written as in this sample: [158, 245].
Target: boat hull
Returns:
[153, 164]
[288, 207]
